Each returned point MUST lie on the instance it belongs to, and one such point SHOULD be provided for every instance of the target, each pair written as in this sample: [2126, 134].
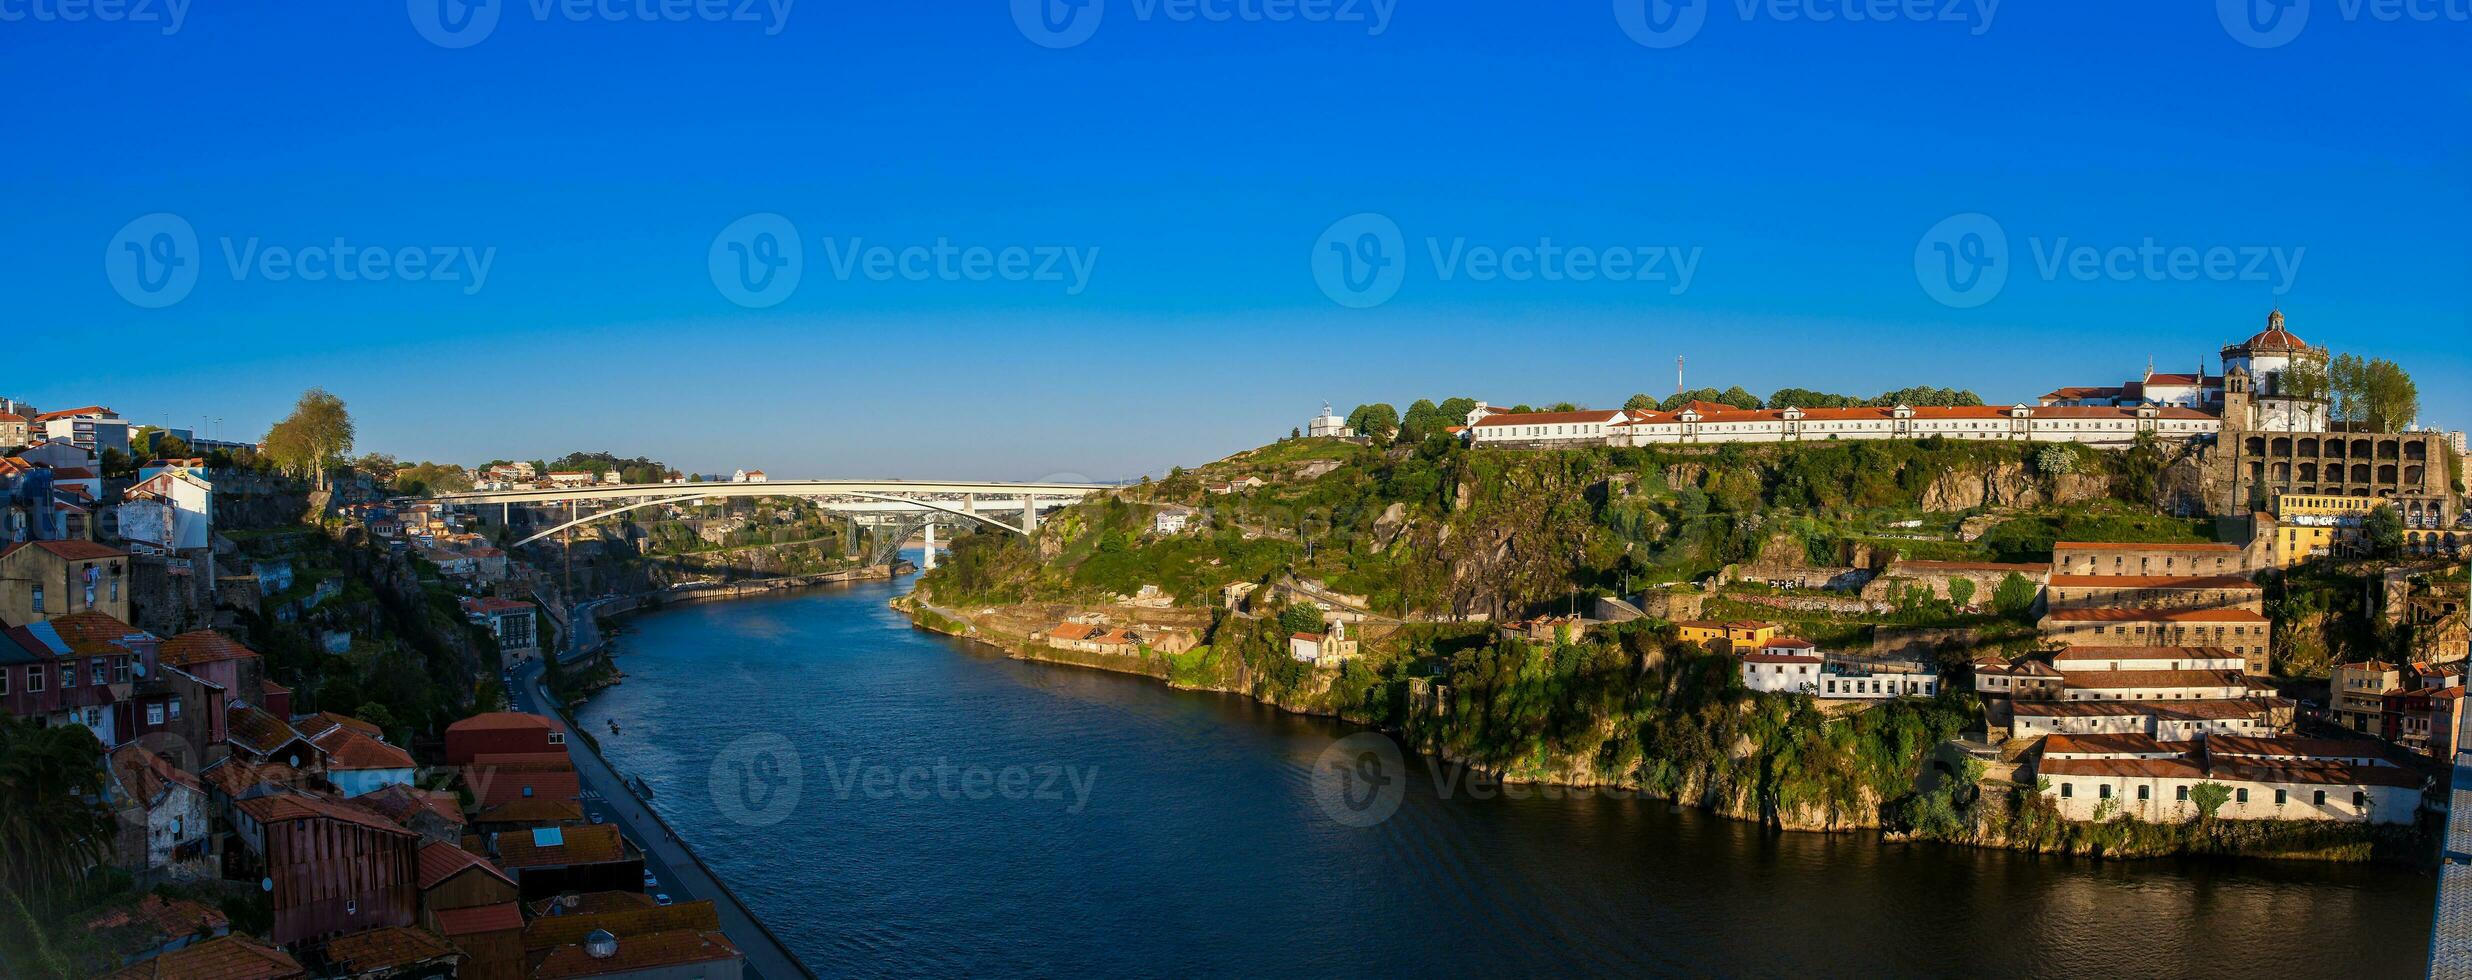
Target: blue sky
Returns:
[1195, 165]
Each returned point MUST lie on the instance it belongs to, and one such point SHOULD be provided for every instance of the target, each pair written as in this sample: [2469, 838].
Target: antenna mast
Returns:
[1677, 374]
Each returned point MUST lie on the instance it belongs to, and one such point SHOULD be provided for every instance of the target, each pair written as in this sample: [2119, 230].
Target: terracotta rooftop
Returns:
[2142, 653]
[2116, 615]
[2107, 680]
[494, 787]
[2147, 546]
[400, 803]
[296, 805]
[320, 723]
[2056, 745]
[347, 749]
[638, 952]
[257, 730]
[567, 930]
[561, 846]
[441, 860]
[499, 721]
[233, 957]
[236, 776]
[67, 550]
[200, 647]
[390, 948]
[502, 917]
[2180, 768]
[532, 811]
[145, 776]
[591, 903]
[2231, 582]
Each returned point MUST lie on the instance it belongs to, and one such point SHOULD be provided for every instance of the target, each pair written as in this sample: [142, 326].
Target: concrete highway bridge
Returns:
[906, 507]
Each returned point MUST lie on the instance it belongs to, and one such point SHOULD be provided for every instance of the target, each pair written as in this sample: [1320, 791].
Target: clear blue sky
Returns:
[597, 159]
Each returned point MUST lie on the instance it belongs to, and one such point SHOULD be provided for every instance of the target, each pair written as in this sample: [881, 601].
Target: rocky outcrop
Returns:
[2008, 485]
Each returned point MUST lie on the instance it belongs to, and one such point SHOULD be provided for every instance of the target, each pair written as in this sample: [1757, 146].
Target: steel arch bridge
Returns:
[906, 504]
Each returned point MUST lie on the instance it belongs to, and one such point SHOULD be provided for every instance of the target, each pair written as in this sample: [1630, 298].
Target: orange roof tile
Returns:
[441, 860]
[638, 952]
[587, 844]
[502, 917]
[392, 947]
[198, 647]
[234, 957]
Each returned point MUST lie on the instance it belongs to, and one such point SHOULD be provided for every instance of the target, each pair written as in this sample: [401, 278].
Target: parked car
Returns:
[661, 899]
[650, 881]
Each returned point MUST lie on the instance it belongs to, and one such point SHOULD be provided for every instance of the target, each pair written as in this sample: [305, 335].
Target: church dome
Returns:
[2275, 338]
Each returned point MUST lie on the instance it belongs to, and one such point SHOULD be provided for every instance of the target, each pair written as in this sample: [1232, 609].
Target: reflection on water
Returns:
[939, 829]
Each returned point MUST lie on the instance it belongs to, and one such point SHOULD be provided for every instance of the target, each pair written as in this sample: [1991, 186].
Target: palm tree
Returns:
[53, 826]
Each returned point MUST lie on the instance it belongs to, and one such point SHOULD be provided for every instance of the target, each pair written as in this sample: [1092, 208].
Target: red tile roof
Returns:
[233, 957]
[348, 750]
[2232, 582]
[2146, 546]
[198, 647]
[502, 917]
[494, 787]
[68, 550]
[441, 860]
[638, 952]
[257, 730]
[2109, 615]
[588, 844]
[2121, 680]
[497, 721]
[1549, 418]
[296, 805]
[392, 947]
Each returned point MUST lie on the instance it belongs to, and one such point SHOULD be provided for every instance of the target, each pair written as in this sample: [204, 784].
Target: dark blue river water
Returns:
[954, 812]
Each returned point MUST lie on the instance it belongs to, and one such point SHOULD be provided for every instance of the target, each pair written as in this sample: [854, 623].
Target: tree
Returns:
[1303, 617]
[428, 478]
[1640, 403]
[1378, 421]
[2209, 798]
[2383, 528]
[310, 442]
[2015, 596]
[52, 827]
[2390, 401]
[1423, 418]
[1961, 592]
[2056, 460]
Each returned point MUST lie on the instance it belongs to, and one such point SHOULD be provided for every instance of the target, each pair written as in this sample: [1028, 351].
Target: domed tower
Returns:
[2286, 379]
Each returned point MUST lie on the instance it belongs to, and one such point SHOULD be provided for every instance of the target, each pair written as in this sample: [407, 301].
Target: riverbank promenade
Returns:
[683, 876]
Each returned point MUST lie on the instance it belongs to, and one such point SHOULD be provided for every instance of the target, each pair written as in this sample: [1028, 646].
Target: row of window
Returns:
[2240, 795]
[117, 672]
[113, 586]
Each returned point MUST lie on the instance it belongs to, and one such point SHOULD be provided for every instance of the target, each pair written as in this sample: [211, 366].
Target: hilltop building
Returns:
[2261, 427]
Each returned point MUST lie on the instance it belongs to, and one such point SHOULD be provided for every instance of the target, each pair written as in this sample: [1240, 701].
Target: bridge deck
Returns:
[2450, 937]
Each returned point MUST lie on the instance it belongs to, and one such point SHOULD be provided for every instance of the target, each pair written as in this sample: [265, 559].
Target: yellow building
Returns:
[1728, 635]
[2314, 525]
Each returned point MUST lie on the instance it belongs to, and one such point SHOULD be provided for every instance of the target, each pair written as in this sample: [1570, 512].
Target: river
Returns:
[896, 803]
